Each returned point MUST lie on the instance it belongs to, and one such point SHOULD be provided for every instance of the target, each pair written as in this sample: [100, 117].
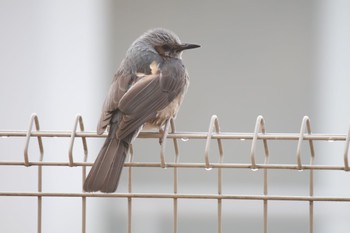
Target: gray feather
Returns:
[148, 88]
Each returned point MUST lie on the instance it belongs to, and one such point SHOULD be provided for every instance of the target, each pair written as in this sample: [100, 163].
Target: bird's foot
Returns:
[162, 134]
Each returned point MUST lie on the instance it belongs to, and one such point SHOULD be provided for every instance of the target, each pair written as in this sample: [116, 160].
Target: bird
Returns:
[146, 92]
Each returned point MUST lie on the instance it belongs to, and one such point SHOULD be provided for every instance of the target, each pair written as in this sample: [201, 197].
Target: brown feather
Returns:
[105, 173]
[147, 90]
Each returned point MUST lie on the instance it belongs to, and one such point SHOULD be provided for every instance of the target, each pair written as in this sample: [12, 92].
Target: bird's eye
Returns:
[163, 50]
[166, 47]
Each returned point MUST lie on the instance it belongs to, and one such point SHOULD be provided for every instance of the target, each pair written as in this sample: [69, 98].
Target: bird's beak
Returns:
[187, 46]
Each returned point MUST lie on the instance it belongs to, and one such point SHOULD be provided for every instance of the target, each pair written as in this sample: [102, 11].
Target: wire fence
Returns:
[213, 135]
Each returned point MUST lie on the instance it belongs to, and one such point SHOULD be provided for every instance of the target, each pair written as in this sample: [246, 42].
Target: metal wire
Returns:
[213, 134]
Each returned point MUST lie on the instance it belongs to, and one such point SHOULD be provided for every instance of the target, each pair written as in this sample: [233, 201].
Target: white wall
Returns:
[332, 103]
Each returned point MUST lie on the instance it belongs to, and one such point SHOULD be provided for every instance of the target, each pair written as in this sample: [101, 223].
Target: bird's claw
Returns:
[162, 135]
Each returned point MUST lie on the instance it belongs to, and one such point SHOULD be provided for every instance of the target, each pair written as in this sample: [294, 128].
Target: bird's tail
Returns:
[105, 173]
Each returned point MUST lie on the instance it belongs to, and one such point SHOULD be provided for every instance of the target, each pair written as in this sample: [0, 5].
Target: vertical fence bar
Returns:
[220, 193]
[260, 126]
[83, 199]
[40, 189]
[40, 176]
[306, 126]
[220, 177]
[311, 178]
[265, 193]
[35, 120]
[79, 121]
[83, 203]
[175, 205]
[346, 151]
[214, 123]
[131, 157]
[176, 149]
[311, 193]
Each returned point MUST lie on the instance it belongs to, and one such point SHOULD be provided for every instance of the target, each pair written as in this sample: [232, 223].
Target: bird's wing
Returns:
[118, 88]
[123, 80]
[148, 96]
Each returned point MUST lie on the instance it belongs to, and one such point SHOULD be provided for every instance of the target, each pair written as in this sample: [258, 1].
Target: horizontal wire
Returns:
[180, 196]
[185, 165]
[187, 135]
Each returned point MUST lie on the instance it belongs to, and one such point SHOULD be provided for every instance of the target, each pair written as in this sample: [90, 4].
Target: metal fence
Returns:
[213, 138]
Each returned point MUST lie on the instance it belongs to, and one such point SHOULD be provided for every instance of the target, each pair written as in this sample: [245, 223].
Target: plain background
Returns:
[281, 59]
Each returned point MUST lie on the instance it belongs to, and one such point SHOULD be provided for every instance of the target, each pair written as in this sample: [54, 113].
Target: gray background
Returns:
[280, 59]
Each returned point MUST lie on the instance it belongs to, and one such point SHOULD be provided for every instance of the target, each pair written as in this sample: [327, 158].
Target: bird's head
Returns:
[166, 43]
